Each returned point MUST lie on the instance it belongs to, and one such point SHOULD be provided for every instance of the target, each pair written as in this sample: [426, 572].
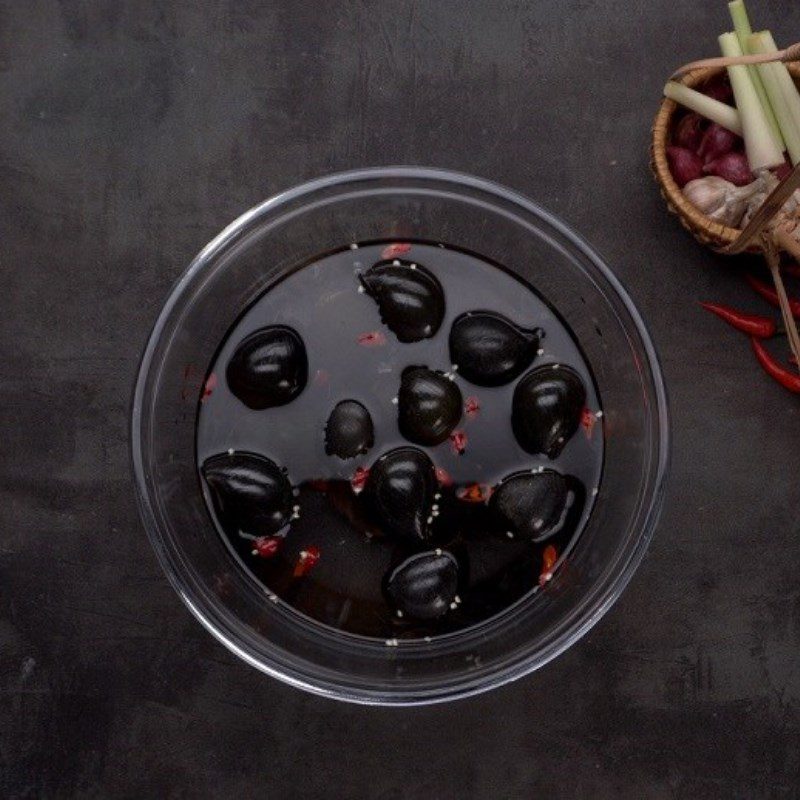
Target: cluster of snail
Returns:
[253, 496]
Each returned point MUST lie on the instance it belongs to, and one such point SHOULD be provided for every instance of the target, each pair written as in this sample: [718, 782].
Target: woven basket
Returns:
[705, 230]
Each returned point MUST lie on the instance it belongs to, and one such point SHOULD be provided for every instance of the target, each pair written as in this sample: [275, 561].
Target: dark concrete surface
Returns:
[131, 133]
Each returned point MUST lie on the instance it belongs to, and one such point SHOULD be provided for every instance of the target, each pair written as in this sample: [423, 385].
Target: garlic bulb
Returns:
[723, 202]
[718, 199]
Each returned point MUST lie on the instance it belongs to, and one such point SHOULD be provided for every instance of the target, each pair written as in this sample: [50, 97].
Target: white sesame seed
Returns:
[540, 352]
[427, 329]
[430, 519]
[399, 613]
[599, 414]
[394, 401]
[426, 638]
[396, 262]
[438, 551]
[437, 496]
[230, 451]
[453, 605]
[556, 366]
[254, 552]
[412, 266]
[560, 440]
[509, 534]
[303, 554]
[595, 492]
[354, 246]
[273, 597]
[454, 367]
[537, 524]
[358, 489]
[541, 470]
[435, 512]
[361, 290]
[295, 508]
[457, 599]
[295, 515]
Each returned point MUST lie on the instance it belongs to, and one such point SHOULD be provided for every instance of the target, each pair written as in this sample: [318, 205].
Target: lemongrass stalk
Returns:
[706, 106]
[741, 23]
[762, 150]
[770, 76]
[789, 92]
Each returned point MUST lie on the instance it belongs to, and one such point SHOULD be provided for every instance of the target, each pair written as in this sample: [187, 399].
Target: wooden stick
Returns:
[774, 260]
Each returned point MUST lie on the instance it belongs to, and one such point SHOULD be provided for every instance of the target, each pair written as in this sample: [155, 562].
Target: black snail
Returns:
[547, 407]
[489, 349]
[399, 492]
[349, 431]
[410, 299]
[269, 367]
[531, 505]
[251, 494]
[424, 586]
[428, 406]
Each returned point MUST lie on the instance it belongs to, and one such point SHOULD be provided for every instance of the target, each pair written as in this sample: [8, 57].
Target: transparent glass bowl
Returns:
[379, 204]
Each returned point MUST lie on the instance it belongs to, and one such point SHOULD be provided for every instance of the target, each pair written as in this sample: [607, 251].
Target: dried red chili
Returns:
[588, 421]
[770, 295]
[372, 339]
[308, 558]
[359, 479]
[266, 546]
[474, 493]
[396, 249]
[549, 558]
[458, 440]
[443, 476]
[471, 407]
[751, 324]
[786, 378]
[208, 388]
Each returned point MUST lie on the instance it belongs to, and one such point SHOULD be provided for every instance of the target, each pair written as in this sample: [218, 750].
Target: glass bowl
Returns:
[291, 229]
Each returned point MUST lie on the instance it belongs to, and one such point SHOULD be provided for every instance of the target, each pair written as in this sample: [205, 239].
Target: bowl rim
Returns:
[652, 504]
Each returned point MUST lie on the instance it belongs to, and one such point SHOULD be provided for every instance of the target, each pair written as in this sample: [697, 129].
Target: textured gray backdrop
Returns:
[131, 133]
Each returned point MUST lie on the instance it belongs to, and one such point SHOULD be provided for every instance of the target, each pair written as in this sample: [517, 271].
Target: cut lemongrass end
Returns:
[741, 24]
[762, 150]
[765, 44]
[781, 101]
[707, 107]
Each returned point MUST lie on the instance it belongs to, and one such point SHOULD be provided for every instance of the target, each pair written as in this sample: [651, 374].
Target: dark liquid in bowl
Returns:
[333, 560]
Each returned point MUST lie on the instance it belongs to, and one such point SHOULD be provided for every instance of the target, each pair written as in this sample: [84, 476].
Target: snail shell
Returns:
[410, 298]
[349, 431]
[532, 505]
[269, 367]
[489, 349]
[399, 492]
[251, 494]
[424, 585]
[428, 406]
[546, 408]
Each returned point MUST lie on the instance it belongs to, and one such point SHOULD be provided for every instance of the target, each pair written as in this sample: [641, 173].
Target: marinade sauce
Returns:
[400, 440]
